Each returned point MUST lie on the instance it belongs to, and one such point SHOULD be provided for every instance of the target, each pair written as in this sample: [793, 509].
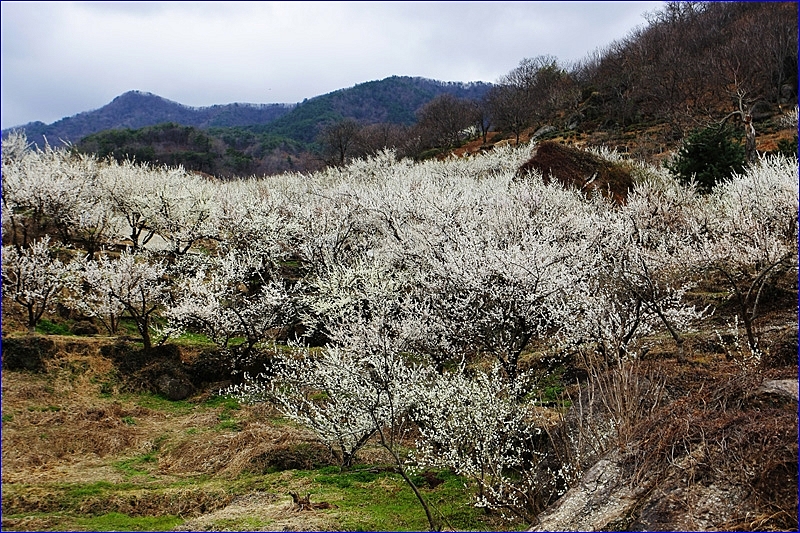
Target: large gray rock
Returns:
[603, 496]
[608, 499]
[781, 388]
[544, 130]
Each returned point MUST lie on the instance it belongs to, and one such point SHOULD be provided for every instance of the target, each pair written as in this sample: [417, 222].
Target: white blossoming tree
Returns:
[33, 279]
[170, 203]
[472, 423]
[364, 382]
[237, 301]
[134, 282]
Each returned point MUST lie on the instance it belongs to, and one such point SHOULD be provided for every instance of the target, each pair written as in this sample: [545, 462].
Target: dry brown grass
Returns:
[55, 418]
[719, 432]
[229, 454]
[60, 432]
[134, 502]
[264, 511]
[59, 418]
[581, 170]
[72, 426]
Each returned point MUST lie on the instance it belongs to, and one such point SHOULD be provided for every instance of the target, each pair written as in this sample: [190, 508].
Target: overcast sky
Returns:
[61, 58]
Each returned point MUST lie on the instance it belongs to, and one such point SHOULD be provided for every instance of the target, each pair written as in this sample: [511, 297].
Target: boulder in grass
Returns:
[27, 353]
[173, 387]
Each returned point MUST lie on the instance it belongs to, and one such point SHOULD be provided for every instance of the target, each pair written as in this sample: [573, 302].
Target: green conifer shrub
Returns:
[708, 156]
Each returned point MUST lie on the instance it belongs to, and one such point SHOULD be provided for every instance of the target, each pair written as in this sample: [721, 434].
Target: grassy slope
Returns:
[79, 453]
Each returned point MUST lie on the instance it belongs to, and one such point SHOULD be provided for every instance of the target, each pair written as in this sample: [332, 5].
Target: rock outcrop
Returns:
[730, 466]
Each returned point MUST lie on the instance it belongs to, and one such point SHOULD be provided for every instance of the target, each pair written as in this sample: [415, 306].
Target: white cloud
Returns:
[61, 58]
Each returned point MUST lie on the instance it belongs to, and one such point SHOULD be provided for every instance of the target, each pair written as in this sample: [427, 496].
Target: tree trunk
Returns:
[32, 320]
[389, 448]
[144, 330]
[676, 336]
[417, 493]
[750, 139]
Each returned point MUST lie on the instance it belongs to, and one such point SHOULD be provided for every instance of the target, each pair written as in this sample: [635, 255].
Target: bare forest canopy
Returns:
[692, 65]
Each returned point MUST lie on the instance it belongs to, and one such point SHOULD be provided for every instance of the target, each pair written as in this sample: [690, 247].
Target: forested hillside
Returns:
[394, 100]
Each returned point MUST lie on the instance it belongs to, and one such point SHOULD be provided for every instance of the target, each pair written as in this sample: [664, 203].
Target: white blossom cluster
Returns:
[471, 423]
[32, 278]
[233, 300]
[417, 276]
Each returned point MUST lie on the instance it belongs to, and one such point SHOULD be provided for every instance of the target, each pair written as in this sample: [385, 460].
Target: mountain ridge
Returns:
[137, 109]
[370, 102]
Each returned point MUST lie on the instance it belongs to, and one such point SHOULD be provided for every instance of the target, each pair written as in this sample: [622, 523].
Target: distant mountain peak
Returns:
[138, 96]
[138, 93]
[138, 109]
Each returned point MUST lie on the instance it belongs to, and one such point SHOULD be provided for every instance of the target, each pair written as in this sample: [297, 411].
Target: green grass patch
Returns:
[382, 501]
[108, 383]
[228, 424]
[219, 400]
[227, 421]
[75, 492]
[549, 388]
[127, 326]
[60, 497]
[94, 506]
[123, 522]
[189, 338]
[46, 327]
[156, 402]
[137, 466]
[346, 479]
[104, 522]
[365, 500]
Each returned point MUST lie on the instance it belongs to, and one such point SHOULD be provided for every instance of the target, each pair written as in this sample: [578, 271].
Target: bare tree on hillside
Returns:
[338, 140]
[443, 121]
[508, 109]
[690, 58]
[376, 137]
[530, 93]
[483, 117]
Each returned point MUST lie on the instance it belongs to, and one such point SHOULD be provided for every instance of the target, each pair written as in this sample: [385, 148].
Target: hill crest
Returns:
[394, 99]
